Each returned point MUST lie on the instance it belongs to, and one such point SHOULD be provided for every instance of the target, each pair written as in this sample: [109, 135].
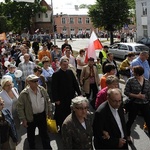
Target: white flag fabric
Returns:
[94, 44]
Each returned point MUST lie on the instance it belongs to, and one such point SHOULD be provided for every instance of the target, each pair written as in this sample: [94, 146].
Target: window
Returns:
[123, 47]
[145, 31]
[144, 9]
[39, 16]
[46, 15]
[80, 30]
[130, 48]
[87, 21]
[79, 20]
[63, 20]
[71, 20]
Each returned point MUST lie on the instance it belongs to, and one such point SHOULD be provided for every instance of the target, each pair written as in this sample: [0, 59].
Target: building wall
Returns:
[74, 28]
[142, 18]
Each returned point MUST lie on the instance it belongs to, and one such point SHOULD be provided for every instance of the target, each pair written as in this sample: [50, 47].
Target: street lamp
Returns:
[53, 23]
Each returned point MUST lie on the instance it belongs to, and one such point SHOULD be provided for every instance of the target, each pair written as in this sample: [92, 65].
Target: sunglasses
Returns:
[82, 108]
[34, 81]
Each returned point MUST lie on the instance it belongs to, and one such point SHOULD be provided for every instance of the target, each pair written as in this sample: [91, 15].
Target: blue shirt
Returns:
[47, 73]
[144, 64]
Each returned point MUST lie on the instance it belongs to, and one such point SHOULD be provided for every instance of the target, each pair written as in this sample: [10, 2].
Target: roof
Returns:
[44, 3]
[132, 44]
[71, 11]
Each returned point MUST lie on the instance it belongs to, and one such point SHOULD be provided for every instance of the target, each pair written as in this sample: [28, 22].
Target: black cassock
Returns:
[64, 88]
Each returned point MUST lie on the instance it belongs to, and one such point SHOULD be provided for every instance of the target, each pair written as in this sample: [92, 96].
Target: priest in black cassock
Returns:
[64, 88]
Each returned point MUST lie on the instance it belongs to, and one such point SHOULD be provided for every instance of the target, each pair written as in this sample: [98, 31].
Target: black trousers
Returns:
[94, 89]
[39, 120]
[144, 109]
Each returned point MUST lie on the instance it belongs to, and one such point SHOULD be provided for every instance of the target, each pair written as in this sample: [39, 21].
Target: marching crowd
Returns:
[88, 104]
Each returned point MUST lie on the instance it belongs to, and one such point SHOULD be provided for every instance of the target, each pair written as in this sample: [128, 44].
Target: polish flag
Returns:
[94, 44]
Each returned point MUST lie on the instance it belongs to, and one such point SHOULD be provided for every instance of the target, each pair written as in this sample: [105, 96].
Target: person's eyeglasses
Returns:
[1, 104]
[82, 108]
[116, 101]
[34, 81]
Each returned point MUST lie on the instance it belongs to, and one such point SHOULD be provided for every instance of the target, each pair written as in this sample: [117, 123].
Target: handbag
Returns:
[125, 72]
[51, 125]
[127, 104]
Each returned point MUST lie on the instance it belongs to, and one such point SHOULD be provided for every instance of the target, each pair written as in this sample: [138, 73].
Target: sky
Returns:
[65, 6]
[67, 3]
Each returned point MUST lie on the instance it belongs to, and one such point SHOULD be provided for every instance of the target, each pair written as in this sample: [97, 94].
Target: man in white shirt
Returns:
[33, 108]
[69, 57]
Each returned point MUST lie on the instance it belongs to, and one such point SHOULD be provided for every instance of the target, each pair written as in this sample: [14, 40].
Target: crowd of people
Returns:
[83, 97]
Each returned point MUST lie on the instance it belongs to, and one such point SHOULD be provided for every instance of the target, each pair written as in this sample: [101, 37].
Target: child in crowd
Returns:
[99, 66]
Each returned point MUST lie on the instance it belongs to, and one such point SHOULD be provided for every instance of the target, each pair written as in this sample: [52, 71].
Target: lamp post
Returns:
[53, 23]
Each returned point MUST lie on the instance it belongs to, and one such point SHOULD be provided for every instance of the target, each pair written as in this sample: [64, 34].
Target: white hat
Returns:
[32, 77]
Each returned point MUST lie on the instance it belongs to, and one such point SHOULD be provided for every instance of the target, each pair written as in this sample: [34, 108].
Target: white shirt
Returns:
[117, 118]
[37, 100]
[82, 59]
[71, 60]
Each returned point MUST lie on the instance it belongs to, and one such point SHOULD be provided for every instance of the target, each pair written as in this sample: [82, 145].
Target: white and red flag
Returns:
[94, 44]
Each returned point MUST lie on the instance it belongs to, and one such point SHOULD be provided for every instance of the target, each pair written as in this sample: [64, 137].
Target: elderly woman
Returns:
[10, 95]
[77, 127]
[47, 72]
[7, 127]
[137, 89]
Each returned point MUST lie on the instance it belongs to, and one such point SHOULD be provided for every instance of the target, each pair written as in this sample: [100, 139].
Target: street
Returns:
[140, 139]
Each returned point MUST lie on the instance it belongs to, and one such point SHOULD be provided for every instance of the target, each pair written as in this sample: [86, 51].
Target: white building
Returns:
[143, 18]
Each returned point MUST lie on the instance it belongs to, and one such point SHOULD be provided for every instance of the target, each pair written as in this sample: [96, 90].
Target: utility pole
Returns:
[53, 23]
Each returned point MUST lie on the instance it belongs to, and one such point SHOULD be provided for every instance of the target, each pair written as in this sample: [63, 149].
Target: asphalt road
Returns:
[140, 138]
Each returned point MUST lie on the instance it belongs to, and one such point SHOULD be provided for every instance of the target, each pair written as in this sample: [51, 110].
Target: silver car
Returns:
[121, 50]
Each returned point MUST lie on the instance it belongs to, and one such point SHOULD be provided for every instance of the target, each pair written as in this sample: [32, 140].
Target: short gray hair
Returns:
[78, 100]
[64, 60]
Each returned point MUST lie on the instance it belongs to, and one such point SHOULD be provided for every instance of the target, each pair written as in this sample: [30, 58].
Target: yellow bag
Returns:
[51, 125]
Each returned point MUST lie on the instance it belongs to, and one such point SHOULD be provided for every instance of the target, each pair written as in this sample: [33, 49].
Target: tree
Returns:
[110, 14]
[3, 24]
[20, 14]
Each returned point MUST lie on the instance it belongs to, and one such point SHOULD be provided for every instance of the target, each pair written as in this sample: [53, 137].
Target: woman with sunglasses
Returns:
[77, 127]
[7, 127]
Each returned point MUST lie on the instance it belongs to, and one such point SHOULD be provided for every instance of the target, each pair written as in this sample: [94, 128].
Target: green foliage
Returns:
[20, 14]
[131, 4]
[3, 24]
[110, 14]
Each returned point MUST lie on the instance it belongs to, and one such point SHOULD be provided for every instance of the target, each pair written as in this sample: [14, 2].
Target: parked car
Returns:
[121, 50]
[145, 41]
